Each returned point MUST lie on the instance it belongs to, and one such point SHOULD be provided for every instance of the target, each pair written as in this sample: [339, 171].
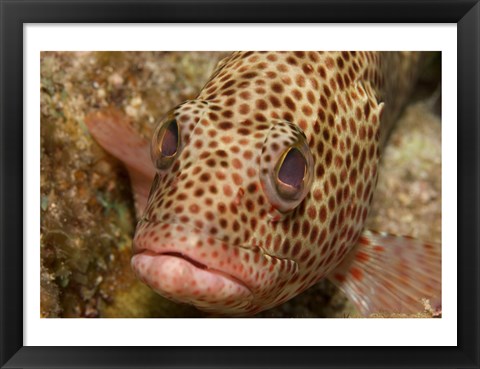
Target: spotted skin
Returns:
[219, 230]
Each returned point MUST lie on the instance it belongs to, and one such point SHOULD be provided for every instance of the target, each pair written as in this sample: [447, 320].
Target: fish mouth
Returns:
[195, 263]
[189, 259]
[186, 265]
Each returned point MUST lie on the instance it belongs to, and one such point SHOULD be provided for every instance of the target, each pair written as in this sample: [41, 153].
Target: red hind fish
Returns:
[260, 187]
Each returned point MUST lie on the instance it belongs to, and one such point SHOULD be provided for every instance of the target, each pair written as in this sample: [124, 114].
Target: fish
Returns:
[260, 186]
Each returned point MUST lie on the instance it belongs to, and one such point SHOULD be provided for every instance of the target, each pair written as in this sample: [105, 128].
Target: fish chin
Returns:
[182, 279]
[184, 264]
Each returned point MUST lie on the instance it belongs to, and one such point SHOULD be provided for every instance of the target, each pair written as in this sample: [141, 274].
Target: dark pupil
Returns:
[170, 139]
[292, 170]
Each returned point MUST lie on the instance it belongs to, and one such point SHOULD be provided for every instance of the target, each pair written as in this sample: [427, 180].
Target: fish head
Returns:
[255, 199]
[206, 234]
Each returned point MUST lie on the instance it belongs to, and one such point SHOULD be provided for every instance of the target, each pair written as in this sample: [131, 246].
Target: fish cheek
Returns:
[282, 284]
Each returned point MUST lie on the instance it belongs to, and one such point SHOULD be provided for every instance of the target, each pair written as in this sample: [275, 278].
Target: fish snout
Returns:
[184, 265]
[187, 265]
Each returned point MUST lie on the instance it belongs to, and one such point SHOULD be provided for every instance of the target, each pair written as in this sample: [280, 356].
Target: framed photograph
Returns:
[209, 169]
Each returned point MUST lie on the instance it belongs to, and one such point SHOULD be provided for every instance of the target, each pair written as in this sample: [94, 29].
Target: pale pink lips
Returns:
[195, 263]
[184, 279]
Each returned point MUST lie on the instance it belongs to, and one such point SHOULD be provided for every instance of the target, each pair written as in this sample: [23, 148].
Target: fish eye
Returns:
[286, 166]
[165, 142]
[169, 141]
[291, 170]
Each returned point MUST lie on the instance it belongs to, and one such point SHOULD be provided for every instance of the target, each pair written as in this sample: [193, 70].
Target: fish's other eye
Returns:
[291, 171]
[286, 166]
[169, 142]
[165, 142]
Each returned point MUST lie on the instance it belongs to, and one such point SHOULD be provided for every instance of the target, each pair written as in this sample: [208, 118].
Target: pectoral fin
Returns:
[391, 274]
[111, 129]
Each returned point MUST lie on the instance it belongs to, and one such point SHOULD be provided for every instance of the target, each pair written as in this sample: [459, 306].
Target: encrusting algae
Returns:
[87, 210]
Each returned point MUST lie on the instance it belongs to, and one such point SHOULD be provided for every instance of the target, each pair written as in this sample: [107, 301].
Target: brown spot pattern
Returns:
[226, 220]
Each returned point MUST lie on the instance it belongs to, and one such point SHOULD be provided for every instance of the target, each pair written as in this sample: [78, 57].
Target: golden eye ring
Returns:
[290, 173]
[286, 166]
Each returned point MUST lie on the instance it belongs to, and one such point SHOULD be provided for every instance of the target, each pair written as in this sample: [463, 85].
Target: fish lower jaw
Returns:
[183, 279]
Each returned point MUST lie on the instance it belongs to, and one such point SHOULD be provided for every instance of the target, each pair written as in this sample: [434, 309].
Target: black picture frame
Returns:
[15, 13]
